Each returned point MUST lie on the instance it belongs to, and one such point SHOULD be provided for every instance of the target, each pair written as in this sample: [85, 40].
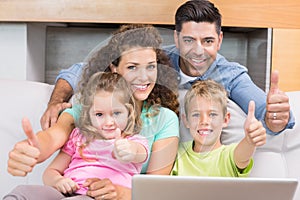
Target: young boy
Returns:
[206, 114]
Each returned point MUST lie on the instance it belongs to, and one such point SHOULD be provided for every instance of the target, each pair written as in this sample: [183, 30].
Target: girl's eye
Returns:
[98, 114]
[117, 113]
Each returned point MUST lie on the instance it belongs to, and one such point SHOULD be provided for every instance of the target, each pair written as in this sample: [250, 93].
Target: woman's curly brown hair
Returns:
[165, 91]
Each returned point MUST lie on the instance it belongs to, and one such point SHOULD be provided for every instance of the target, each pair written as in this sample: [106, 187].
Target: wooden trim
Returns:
[251, 13]
[285, 58]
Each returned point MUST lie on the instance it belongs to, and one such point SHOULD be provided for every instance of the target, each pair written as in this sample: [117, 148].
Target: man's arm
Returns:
[66, 83]
[58, 101]
[245, 90]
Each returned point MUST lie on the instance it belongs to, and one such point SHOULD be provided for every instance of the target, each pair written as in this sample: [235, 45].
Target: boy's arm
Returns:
[255, 135]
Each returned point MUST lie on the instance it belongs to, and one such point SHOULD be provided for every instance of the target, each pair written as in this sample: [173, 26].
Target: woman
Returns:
[134, 52]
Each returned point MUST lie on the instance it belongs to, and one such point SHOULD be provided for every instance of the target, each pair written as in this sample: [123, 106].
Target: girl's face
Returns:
[205, 120]
[108, 114]
[139, 67]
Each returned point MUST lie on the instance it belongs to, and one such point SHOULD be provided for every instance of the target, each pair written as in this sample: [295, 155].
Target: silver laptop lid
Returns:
[159, 187]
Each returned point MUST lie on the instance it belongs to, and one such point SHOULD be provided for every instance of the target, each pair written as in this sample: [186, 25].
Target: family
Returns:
[145, 108]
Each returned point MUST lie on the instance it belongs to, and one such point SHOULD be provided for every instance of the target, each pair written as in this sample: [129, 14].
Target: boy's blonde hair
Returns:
[208, 89]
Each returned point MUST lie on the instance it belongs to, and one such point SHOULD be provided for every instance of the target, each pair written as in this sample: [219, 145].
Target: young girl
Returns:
[105, 144]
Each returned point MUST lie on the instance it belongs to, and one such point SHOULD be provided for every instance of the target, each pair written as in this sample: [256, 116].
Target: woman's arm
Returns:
[26, 154]
[163, 156]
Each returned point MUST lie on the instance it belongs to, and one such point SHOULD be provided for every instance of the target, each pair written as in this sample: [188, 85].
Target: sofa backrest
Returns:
[19, 99]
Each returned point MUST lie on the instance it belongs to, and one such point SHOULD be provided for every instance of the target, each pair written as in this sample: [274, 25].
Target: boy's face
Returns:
[198, 44]
[205, 120]
[108, 114]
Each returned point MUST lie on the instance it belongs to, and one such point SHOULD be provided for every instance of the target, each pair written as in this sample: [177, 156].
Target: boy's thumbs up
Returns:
[251, 114]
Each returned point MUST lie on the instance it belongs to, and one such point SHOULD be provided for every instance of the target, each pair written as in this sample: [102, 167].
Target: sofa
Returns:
[279, 157]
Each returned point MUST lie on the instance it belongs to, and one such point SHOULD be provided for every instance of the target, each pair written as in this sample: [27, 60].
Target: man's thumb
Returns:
[274, 82]
[31, 137]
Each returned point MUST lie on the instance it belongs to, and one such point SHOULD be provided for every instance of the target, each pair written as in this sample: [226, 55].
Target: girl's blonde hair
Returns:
[108, 82]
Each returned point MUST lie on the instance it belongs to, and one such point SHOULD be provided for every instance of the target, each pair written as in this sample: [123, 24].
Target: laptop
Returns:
[160, 187]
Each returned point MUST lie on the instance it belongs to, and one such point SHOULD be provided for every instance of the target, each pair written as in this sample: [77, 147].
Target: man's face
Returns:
[198, 44]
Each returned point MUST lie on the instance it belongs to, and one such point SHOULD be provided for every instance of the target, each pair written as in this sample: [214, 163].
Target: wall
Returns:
[22, 51]
[286, 58]
[67, 45]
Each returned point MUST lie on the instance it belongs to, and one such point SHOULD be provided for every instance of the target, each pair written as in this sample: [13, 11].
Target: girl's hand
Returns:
[125, 150]
[66, 185]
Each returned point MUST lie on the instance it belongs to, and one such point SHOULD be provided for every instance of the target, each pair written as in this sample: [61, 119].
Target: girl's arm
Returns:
[53, 175]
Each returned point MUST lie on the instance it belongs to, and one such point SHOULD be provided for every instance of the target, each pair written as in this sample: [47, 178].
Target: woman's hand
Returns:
[104, 189]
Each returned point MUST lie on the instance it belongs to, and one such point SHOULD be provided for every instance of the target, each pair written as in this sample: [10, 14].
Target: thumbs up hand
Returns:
[255, 133]
[24, 156]
[124, 149]
[277, 106]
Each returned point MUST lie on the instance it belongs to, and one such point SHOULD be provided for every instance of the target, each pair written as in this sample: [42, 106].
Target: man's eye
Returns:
[188, 41]
[209, 41]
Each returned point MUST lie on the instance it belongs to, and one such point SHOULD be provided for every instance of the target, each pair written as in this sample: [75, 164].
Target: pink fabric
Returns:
[98, 161]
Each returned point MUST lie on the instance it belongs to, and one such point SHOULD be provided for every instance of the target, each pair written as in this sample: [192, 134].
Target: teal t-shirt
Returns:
[218, 162]
[163, 125]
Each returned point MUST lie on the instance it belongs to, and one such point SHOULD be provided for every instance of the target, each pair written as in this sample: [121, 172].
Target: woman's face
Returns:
[139, 67]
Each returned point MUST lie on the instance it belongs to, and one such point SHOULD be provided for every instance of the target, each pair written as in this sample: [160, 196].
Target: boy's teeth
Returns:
[205, 132]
